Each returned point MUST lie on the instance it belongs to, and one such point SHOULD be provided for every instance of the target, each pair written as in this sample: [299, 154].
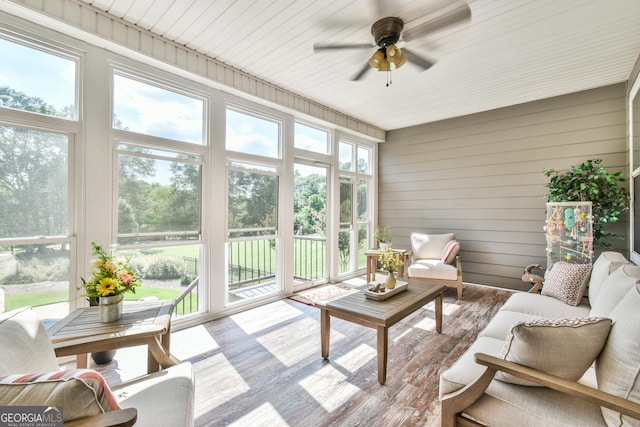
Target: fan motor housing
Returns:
[386, 31]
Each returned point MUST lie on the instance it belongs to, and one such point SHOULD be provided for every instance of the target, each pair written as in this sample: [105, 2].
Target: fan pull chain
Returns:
[389, 78]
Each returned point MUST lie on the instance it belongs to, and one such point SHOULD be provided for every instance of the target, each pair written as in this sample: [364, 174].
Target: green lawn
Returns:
[35, 299]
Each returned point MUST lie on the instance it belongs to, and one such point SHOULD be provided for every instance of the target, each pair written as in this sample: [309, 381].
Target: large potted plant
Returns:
[590, 181]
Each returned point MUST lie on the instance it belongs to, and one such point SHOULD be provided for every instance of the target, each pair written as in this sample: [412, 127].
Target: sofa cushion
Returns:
[614, 288]
[618, 366]
[433, 269]
[605, 264]
[561, 347]
[500, 325]
[543, 306]
[25, 345]
[429, 246]
[567, 282]
[80, 392]
[173, 388]
[450, 251]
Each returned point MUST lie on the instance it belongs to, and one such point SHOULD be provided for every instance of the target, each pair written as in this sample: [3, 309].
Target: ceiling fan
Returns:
[390, 30]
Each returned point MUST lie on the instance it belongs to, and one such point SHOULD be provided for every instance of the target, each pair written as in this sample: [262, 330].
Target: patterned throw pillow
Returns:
[450, 251]
[561, 347]
[80, 392]
[567, 282]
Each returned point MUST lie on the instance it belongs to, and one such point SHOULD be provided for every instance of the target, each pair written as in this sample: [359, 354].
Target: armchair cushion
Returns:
[562, 347]
[567, 282]
[429, 246]
[432, 269]
[80, 392]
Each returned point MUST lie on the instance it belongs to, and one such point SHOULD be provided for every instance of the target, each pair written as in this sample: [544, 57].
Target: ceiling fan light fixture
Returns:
[385, 65]
[395, 56]
[376, 59]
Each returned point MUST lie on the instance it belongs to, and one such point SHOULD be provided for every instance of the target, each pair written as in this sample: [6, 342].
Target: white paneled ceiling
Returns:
[511, 51]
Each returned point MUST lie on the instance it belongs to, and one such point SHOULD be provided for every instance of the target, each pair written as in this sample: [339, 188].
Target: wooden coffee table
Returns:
[380, 315]
[142, 322]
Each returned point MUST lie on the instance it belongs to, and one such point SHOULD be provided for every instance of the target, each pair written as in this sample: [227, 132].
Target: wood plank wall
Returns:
[481, 177]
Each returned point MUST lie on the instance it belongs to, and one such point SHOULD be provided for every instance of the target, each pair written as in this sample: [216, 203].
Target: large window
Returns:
[159, 186]
[252, 206]
[354, 236]
[36, 222]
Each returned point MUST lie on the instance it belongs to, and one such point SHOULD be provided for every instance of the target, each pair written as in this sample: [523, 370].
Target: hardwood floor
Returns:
[263, 366]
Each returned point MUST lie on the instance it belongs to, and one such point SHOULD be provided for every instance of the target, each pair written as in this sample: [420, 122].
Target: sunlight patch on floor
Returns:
[329, 388]
[286, 343]
[447, 308]
[223, 383]
[266, 316]
[192, 342]
[357, 358]
[426, 324]
[263, 415]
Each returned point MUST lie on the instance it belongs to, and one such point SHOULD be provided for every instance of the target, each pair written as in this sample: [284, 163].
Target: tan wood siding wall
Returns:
[481, 177]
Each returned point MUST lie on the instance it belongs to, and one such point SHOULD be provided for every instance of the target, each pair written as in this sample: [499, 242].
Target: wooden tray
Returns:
[400, 286]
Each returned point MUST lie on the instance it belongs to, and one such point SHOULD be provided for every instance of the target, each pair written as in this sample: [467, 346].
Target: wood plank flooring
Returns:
[263, 367]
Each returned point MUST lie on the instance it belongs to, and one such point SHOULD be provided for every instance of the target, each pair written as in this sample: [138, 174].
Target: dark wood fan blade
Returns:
[417, 59]
[454, 16]
[320, 46]
[361, 73]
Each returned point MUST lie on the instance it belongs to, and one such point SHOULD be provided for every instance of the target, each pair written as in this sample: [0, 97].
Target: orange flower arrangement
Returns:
[111, 276]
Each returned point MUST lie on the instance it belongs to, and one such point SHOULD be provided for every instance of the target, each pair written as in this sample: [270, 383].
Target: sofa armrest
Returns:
[122, 418]
[456, 402]
[573, 388]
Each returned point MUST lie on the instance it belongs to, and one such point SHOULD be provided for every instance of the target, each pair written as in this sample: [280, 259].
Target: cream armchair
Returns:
[30, 376]
[435, 259]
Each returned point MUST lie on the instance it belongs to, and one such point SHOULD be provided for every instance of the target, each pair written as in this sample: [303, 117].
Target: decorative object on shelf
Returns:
[111, 278]
[589, 181]
[390, 262]
[382, 236]
[569, 232]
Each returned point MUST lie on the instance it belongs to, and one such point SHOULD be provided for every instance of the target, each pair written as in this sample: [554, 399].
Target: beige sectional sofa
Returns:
[29, 375]
[577, 361]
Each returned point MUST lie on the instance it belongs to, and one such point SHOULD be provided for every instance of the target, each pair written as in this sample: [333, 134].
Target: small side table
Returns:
[373, 255]
[143, 322]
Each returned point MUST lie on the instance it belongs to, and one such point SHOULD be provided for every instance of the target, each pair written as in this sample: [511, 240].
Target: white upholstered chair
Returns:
[435, 259]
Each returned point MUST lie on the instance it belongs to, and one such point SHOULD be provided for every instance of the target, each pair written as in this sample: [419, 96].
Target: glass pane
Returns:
[311, 139]
[363, 244]
[252, 204]
[33, 80]
[364, 160]
[34, 182]
[167, 273]
[252, 135]
[150, 110]
[251, 268]
[158, 200]
[37, 276]
[363, 221]
[310, 223]
[344, 251]
[346, 203]
[345, 159]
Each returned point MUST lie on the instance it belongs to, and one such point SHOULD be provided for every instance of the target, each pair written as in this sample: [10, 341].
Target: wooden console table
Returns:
[142, 323]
